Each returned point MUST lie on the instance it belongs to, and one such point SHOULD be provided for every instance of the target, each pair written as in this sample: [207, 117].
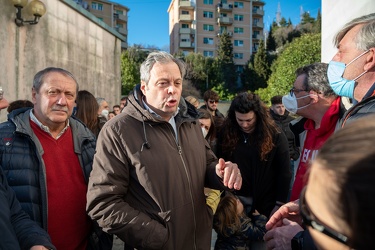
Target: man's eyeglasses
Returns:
[213, 101]
[296, 91]
[309, 219]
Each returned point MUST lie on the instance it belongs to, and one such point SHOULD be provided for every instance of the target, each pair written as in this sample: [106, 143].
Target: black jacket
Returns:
[283, 121]
[17, 230]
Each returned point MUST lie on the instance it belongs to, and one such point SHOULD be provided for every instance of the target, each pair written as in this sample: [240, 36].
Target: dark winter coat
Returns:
[283, 121]
[21, 159]
[146, 187]
[18, 231]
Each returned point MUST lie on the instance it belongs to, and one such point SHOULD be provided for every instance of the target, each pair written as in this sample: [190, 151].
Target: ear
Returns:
[143, 87]
[33, 95]
[314, 96]
[370, 60]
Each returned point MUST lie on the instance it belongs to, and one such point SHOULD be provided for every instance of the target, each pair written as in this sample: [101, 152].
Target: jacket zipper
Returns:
[189, 182]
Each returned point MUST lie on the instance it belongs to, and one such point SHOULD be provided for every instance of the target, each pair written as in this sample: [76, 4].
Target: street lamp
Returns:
[35, 7]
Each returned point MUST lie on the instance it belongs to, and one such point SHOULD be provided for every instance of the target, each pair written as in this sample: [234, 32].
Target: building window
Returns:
[207, 40]
[256, 34]
[238, 5]
[185, 40]
[208, 27]
[208, 53]
[238, 17]
[185, 26]
[120, 12]
[238, 43]
[238, 30]
[238, 55]
[185, 12]
[208, 14]
[119, 25]
[208, 2]
[96, 6]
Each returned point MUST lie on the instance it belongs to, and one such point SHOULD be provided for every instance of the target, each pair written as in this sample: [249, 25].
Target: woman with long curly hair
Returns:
[250, 138]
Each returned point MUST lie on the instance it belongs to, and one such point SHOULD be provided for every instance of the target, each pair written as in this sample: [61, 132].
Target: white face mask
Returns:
[290, 103]
[105, 113]
[204, 131]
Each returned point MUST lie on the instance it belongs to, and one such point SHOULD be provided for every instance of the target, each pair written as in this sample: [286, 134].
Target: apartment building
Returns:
[196, 26]
[113, 14]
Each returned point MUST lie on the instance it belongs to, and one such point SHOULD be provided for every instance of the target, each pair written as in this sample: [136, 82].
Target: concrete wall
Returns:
[334, 15]
[66, 36]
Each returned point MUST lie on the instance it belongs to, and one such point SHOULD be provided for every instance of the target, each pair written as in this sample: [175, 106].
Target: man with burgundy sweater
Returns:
[47, 158]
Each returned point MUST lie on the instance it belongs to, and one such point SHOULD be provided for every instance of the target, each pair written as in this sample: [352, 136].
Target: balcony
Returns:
[258, 12]
[258, 25]
[122, 31]
[187, 31]
[120, 17]
[224, 7]
[185, 18]
[186, 45]
[257, 36]
[224, 21]
[186, 4]
[230, 33]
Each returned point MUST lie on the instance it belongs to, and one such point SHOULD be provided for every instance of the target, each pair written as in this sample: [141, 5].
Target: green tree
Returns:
[301, 51]
[225, 63]
[130, 75]
[261, 66]
[196, 72]
[271, 43]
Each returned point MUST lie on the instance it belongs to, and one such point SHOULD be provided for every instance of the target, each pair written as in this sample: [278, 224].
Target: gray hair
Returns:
[365, 37]
[316, 78]
[159, 57]
[39, 77]
[100, 100]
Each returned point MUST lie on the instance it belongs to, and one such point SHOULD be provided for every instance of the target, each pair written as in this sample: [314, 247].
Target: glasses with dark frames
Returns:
[213, 101]
[296, 91]
[309, 219]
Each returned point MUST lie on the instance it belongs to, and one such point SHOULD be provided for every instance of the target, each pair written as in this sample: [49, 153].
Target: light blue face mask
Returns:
[340, 85]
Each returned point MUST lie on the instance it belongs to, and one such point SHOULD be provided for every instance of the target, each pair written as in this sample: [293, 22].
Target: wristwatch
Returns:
[297, 241]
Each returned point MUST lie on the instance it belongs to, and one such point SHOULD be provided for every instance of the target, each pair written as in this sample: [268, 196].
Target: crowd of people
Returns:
[160, 171]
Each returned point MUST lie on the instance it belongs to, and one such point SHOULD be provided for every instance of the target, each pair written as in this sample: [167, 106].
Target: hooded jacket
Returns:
[147, 187]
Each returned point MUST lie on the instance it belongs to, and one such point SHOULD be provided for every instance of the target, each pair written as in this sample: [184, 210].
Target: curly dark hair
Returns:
[264, 130]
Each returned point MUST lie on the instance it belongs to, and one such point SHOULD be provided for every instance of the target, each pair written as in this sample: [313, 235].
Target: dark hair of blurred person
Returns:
[19, 104]
[208, 127]
[87, 111]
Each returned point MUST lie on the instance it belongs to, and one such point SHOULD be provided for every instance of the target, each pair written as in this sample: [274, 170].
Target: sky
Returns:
[148, 19]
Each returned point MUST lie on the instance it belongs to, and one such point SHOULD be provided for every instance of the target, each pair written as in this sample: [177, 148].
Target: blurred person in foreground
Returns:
[152, 164]
[337, 206]
[355, 59]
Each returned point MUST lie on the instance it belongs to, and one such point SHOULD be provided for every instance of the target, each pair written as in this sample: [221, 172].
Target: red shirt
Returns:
[68, 223]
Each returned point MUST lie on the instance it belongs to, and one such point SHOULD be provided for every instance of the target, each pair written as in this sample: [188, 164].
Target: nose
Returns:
[171, 89]
[61, 100]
